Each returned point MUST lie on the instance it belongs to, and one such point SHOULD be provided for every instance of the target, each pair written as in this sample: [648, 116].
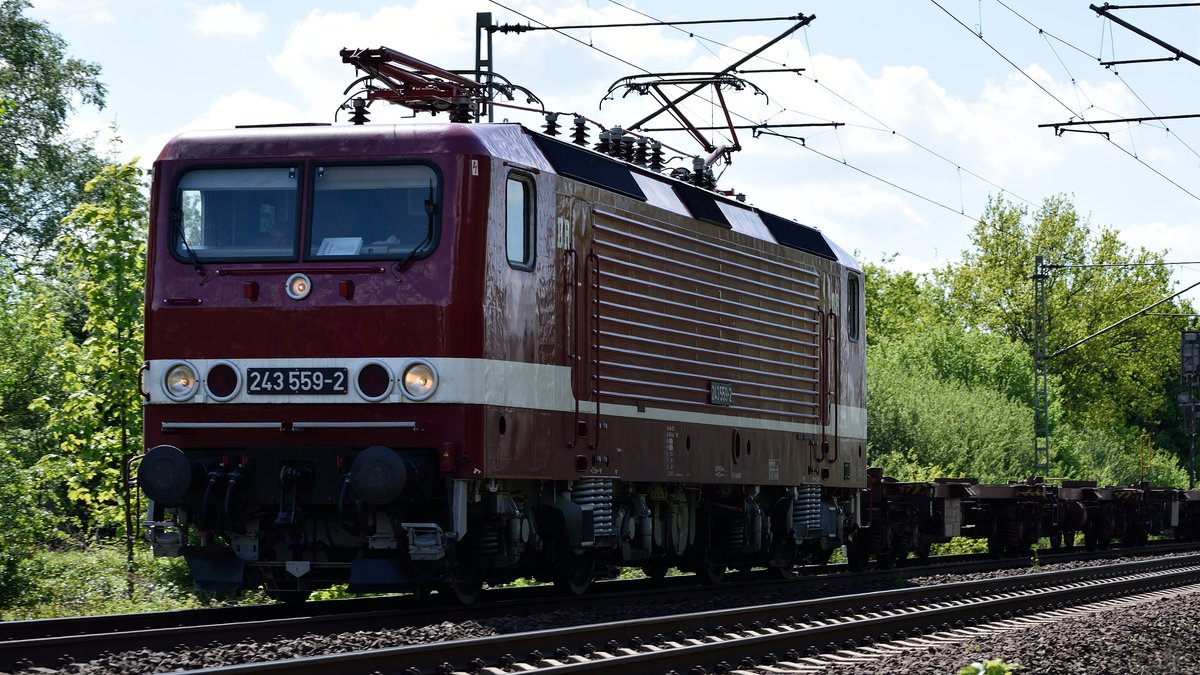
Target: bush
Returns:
[95, 580]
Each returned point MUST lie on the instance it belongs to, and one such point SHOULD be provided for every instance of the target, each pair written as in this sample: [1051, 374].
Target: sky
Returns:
[939, 102]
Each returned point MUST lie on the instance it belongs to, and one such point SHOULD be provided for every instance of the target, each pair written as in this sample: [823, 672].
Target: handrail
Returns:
[594, 273]
[569, 337]
[837, 380]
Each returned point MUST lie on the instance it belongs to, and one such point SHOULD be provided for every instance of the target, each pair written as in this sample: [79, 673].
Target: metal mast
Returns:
[1189, 357]
[483, 58]
[1041, 398]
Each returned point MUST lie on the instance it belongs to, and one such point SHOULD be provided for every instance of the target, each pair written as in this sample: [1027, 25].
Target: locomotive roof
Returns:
[511, 142]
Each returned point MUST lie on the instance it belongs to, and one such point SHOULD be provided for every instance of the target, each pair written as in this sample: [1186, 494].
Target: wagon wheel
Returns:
[924, 548]
[574, 584]
[856, 555]
[1056, 540]
[421, 593]
[576, 577]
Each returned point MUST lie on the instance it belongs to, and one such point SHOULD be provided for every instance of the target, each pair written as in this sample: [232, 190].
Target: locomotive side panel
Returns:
[723, 334]
[700, 353]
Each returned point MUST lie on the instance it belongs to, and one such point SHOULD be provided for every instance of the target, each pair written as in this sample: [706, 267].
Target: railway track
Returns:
[56, 642]
[768, 638]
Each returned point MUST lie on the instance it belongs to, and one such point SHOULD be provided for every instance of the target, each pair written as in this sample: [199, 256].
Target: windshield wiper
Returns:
[183, 238]
[430, 212]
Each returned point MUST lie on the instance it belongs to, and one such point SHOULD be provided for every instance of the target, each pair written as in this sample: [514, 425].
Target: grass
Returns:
[94, 580]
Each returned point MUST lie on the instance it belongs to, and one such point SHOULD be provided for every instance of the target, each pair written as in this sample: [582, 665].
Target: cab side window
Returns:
[520, 217]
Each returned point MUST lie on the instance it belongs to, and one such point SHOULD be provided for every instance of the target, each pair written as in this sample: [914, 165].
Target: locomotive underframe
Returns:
[284, 528]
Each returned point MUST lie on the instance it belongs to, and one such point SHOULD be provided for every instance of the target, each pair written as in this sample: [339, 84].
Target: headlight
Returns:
[222, 382]
[298, 286]
[374, 381]
[420, 380]
[180, 383]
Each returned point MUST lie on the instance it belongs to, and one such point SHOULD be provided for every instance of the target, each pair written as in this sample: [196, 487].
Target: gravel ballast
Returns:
[1161, 636]
[1156, 637]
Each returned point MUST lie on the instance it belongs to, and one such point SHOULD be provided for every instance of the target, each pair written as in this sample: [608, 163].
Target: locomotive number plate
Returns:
[296, 381]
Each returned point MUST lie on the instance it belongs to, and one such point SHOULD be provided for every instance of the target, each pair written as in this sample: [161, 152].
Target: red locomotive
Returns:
[414, 356]
[443, 355]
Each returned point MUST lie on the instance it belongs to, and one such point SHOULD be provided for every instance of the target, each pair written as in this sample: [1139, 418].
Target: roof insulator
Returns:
[579, 134]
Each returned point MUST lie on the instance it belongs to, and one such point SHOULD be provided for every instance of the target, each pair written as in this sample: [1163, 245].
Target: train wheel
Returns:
[656, 569]
[710, 572]
[820, 557]
[466, 591]
[575, 582]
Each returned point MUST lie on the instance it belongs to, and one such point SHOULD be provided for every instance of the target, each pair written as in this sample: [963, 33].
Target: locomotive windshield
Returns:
[357, 212]
[371, 211]
[237, 214]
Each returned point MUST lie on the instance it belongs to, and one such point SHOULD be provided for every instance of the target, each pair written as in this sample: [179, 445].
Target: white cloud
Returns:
[242, 107]
[309, 56]
[1177, 240]
[246, 107]
[227, 19]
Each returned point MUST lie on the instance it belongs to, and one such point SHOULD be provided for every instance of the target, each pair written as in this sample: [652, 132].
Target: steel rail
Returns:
[43, 641]
[641, 645]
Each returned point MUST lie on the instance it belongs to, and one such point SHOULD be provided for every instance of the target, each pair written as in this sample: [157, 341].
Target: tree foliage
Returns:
[950, 370]
[42, 171]
[922, 422]
[898, 302]
[102, 259]
[1123, 377]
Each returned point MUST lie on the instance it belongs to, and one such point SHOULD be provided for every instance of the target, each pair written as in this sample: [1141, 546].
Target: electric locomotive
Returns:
[435, 356]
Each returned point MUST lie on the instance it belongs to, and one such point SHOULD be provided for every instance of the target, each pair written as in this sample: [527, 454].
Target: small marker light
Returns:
[298, 286]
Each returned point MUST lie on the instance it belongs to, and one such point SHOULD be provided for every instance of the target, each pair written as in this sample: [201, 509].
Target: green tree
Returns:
[899, 302]
[31, 333]
[42, 172]
[102, 258]
[30, 337]
[23, 521]
[1123, 378]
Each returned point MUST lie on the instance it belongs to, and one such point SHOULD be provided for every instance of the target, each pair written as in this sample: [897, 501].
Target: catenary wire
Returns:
[1064, 105]
[885, 127]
